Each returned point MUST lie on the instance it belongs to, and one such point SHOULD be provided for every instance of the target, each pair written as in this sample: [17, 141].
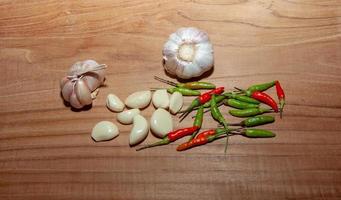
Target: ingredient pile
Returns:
[188, 53]
[250, 103]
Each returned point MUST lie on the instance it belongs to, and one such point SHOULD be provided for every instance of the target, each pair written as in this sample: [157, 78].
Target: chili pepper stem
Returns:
[159, 143]
[153, 89]
[208, 110]
[184, 115]
[165, 81]
[281, 106]
[193, 135]
[240, 90]
[231, 124]
[227, 137]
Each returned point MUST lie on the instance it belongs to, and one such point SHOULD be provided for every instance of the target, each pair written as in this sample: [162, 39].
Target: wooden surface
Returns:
[45, 148]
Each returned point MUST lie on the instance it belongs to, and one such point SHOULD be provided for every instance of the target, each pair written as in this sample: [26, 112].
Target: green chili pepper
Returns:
[219, 99]
[189, 85]
[258, 133]
[184, 91]
[255, 121]
[199, 117]
[260, 87]
[249, 112]
[196, 85]
[198, 120]
[239, 104]
[216, 114]
[242, 98]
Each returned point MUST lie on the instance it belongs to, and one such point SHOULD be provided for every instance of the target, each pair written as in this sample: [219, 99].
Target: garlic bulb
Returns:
[79, 86]
[188, 53]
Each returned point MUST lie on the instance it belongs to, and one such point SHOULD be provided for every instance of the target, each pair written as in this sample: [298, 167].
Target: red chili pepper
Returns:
[205, 97]
[175, 135]
[265, 98]
[192, 143]
[281, 97]
[206, 133]
[203, 138]
[202, 99]
[217, 131]
[217, 91]
[172, 136]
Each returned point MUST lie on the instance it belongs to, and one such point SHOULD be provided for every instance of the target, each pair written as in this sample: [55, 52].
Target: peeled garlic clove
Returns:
[176, 102]
[104, 130]
[140, 130]
[67, 90]
[74, 101]
[139, 99]
[114, 103]
[126, 117]
[161, 122]
[83, 93]
[160, 99]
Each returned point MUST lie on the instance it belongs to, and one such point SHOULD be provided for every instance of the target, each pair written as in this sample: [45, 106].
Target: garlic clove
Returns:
[193, 35]
[63, 82]
[139, 131]
[83, 93]
[126, 117]
[172, 64]
[170, 48]
[86, 67]
[74, 101]
[139, 99]
[161, 123]
[91, 64]
[191, 69]
[174, 37]
[92, 81]
[202, 57]
[67, 91]
[114, 103]
[160, 99]
[176, 102]
[104, 130]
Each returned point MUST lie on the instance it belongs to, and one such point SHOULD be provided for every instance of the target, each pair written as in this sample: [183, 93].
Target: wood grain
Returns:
[45, 148]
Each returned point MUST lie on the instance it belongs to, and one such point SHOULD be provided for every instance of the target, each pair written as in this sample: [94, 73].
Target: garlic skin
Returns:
[188, 53]
[80, 85]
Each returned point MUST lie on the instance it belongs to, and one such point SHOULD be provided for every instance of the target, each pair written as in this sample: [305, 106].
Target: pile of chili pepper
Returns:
[246, 103]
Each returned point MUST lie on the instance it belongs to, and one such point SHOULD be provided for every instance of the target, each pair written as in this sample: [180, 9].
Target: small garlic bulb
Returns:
[188, 53]
[81, 84]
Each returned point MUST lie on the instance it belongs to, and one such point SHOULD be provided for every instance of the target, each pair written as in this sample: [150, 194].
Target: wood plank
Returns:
[46, 150]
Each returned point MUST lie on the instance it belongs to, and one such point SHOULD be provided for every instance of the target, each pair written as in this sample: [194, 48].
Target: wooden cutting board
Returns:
[45, 148]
